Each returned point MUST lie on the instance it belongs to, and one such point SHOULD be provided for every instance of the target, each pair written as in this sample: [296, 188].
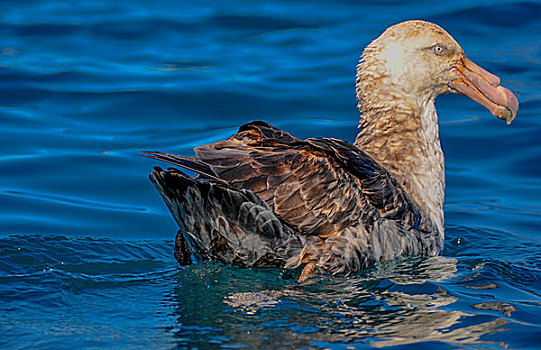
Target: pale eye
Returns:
[439, 49]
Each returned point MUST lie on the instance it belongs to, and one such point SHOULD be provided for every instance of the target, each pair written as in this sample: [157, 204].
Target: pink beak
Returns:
[484, 88]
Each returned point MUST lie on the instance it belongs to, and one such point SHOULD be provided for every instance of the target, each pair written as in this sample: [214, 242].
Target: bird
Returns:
[265, 198]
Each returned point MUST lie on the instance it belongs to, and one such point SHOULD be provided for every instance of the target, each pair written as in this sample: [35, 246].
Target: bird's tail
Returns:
[222, 223]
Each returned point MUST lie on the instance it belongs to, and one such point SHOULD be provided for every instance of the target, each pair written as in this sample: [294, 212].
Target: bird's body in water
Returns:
[266, 198]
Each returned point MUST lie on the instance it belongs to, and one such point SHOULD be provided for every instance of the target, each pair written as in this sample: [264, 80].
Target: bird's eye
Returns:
[439, 49]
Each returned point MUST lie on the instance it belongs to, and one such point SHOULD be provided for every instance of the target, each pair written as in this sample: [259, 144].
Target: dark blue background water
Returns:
[86, 242]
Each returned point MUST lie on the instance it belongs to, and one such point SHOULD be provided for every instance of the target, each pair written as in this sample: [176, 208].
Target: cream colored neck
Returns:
[405, 140]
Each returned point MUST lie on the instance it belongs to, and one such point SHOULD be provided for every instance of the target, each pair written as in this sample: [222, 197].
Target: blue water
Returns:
[86, 242]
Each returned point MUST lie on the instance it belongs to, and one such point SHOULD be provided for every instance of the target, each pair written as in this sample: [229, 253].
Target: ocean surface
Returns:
[86, 243]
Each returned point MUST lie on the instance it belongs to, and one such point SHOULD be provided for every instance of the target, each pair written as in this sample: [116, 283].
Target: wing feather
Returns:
[313, 185]
[323, 187]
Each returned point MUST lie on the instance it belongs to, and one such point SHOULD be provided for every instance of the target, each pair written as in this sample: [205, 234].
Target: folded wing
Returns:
[320, 187]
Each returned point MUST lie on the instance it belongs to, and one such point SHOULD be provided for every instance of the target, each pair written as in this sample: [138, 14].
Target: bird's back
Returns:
[281, 201]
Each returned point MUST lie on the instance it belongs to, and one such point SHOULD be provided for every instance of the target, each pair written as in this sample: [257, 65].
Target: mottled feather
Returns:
[323, 188]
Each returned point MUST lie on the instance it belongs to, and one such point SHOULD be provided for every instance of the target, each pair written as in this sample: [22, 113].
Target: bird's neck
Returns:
[404, 138]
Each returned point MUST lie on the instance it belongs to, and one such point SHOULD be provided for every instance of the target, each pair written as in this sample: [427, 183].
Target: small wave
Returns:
[73, 201]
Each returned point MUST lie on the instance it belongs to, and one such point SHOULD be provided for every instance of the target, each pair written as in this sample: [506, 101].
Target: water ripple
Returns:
[73, 201]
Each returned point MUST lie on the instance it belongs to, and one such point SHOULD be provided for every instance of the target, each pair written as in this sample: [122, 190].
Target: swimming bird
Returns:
[266, 198]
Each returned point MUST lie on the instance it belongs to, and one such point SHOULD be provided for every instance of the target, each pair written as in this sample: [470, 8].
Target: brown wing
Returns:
[300, 183]
[320, 186]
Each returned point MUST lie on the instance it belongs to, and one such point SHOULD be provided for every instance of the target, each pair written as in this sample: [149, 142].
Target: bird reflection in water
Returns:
[393, 304]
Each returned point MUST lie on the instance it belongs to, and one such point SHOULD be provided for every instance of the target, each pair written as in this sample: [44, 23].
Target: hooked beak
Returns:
[483, 87]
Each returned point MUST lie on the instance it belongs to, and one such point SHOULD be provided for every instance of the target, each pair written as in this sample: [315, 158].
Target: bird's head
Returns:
[422, 61]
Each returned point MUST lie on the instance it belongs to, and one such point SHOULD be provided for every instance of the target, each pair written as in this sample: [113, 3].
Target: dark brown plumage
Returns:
[266, 198]
[344, 204]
